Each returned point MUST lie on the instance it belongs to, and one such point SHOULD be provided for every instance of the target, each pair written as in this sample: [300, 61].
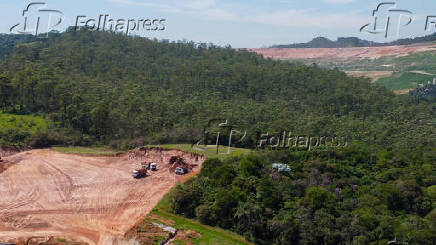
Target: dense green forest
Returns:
[100, 87]
[424, 92]
[346, 196]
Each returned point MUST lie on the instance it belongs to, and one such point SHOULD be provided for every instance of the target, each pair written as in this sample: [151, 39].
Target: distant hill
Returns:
[322, 42]
[348, 42]
[101, 87]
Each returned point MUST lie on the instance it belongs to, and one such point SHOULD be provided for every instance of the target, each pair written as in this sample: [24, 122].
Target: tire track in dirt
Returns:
[93, 199]
[63, 182]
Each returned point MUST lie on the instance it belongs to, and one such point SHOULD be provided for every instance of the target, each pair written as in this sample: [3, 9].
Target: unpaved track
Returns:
[93, 199]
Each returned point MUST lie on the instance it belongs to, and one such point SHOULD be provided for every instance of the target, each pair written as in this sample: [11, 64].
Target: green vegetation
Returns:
[406, 80]
[408, 71]
[30, 124]
[209, 235]
[19, 130]
[209, 151]
[348, 196]
[91, 151]
[8, 41]
[99, 88]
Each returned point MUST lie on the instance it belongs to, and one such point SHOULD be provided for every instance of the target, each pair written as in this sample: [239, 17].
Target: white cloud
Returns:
[170, 4]
[162, 7]
[210, 10]
[295, 18]
[199, 4]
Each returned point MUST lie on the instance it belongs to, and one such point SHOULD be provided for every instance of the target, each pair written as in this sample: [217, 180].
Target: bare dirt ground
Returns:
[373, 75]
[90, 199]
[326, 54]
[403, 91]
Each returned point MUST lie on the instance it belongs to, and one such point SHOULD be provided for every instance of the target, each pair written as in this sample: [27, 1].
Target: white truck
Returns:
[180, 171]
[153, 166]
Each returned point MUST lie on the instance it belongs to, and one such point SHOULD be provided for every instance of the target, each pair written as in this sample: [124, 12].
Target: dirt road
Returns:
[92, 199]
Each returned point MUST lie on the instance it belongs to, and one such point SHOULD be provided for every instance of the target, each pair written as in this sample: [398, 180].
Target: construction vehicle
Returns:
[179, 166]
[177, 160]
[152, 166]
[140, 173]
[180, 171]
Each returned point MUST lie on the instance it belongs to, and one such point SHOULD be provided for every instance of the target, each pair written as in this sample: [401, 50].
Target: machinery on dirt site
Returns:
[179, 166]
[152, 166]
[140, 173]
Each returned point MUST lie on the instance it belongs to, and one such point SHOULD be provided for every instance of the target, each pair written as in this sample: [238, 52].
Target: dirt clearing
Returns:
[373, 75]
[341, 54]
[92, 199]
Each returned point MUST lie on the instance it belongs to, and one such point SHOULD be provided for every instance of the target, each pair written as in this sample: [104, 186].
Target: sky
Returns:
[239, 23]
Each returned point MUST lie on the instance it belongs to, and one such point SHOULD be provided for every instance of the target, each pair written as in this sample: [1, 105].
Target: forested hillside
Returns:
[125, 91]
[346, 196]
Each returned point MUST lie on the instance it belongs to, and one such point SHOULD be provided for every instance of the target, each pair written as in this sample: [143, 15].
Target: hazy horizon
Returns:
[259, 23]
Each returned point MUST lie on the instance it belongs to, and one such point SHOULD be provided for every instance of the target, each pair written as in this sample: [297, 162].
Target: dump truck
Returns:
[140, 173]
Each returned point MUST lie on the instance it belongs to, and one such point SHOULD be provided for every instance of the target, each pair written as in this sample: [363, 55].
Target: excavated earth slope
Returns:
[342, 54]
[91, 199]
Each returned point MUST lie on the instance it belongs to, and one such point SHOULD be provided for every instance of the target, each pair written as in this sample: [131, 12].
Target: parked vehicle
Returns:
[140, 173]
[180, 171]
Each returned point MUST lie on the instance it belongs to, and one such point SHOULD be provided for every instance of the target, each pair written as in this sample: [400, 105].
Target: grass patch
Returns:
[17, 130]
[27, 123]
[208, 152]
[406, 80]
[106, 151]
[209, 235]
[88, 151]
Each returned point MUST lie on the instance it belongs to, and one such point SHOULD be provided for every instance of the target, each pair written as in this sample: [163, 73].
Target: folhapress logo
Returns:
[38, 18]
[385, 15]
[105, 23]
